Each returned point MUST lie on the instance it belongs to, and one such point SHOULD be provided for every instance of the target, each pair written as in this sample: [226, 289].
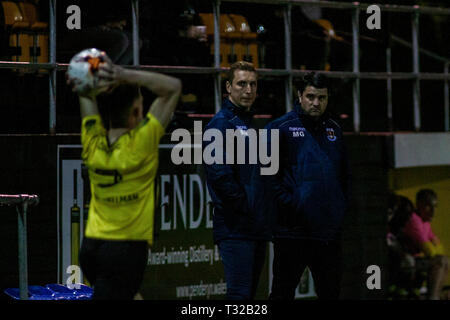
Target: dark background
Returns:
[28, 162]
[25, 97]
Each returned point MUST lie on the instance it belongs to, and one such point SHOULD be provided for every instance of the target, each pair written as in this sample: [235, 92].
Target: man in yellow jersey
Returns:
[120, 149]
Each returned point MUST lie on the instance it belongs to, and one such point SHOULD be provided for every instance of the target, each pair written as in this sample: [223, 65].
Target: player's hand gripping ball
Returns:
[83, 71]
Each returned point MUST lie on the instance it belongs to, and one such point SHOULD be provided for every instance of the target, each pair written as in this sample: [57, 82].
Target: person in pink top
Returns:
[421, 242]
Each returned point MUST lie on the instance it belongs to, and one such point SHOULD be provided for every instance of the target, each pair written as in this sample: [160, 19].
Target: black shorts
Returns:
[114, 268]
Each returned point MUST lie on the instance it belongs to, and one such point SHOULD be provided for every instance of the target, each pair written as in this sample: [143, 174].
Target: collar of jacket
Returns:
[309, 122]
[241, 112]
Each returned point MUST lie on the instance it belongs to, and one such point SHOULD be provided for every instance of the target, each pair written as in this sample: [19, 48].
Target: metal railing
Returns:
[287, 73]
[21, 202]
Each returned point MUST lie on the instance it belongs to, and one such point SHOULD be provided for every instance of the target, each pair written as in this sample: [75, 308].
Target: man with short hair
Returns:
[311, 190]
[240, 232]
[120, 150]
[420, 241]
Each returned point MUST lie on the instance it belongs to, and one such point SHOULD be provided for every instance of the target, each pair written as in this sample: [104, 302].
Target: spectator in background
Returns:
[401, 264]
[177, 29]
[104, 25]
[402, 212]
[424, 245]
[173, 34]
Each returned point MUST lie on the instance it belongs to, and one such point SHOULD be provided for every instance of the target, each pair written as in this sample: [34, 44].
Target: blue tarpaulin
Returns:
[53, 292]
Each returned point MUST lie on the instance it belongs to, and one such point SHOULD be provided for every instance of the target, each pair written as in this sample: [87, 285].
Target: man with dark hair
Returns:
[311, 190]
[401, 273]
[424, 245]
[240, 232]
[114, 106]
[122, 163]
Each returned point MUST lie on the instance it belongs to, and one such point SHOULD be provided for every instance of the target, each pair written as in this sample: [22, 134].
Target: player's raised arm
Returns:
[167, 89]
[88, 104]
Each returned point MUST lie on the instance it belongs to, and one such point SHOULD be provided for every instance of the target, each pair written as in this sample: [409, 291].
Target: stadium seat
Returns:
[237, 42]
[248, 39]
[28, 37]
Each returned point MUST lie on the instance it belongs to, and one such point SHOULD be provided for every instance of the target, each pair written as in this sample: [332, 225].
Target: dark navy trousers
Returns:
[292, 256]
[243, 261]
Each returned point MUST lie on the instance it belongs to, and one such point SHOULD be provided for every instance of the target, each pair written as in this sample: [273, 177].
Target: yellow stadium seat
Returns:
[27, 35]
[237, 41]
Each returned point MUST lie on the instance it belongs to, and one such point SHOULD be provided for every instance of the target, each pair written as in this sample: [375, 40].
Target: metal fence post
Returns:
[389, 90]
[135, 15]
[23, 261]
[52, 73]
[21, 202]
[288, 55]
[389, 71]
[446, 100]
[217, 77]
[416, 69]
[356, 82]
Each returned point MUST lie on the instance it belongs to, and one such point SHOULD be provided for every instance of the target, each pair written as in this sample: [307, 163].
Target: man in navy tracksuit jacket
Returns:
[240, 231]
[311, 191]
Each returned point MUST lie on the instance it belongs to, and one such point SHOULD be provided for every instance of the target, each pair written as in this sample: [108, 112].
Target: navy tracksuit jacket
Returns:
[234, 189]
[311, 189]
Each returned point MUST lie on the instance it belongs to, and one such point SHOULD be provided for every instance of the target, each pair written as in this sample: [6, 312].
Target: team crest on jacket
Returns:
[330, 134]
[242, 130]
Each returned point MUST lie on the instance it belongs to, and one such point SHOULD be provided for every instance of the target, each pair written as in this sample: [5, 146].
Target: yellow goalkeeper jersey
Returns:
[122, 177]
